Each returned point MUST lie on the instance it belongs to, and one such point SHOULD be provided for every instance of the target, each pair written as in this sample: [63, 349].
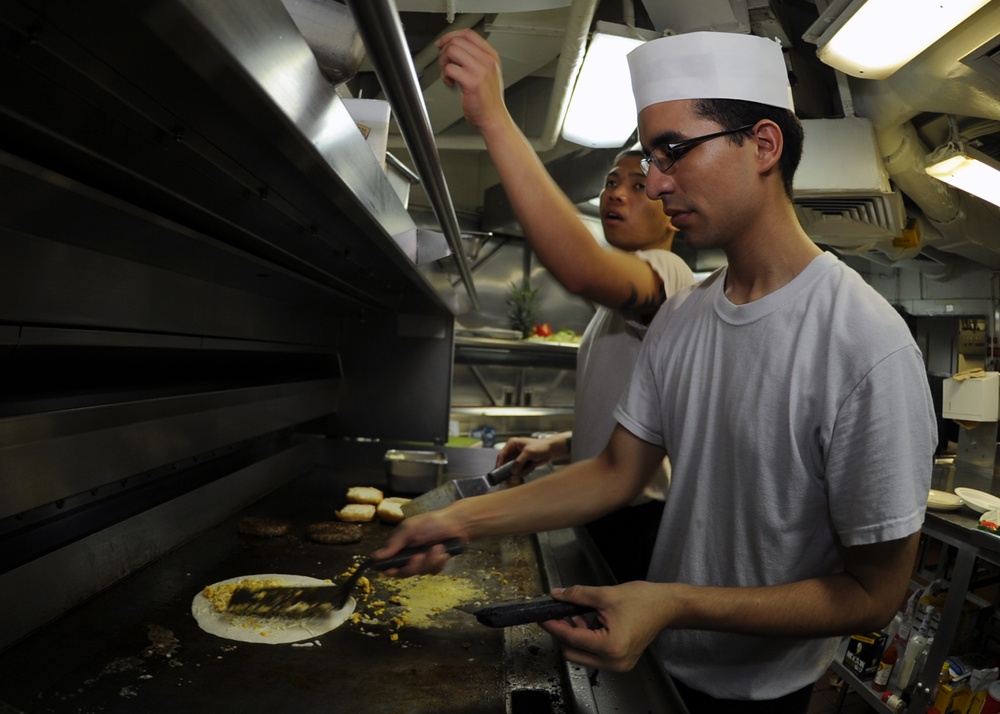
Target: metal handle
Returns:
[501, 473]
[522, 612]
[400, 559]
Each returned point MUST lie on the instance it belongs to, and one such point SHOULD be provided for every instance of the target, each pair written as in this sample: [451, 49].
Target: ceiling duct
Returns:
[954, 77]
[716, 15]
[842, 193]
[527, 42]
[479, 6]
[844, 199]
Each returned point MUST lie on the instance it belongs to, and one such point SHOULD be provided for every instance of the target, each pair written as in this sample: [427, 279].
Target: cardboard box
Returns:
[864, 652]
[953, 697]
[372, 117]
[965, 632]
[975, 704]
[975, 399]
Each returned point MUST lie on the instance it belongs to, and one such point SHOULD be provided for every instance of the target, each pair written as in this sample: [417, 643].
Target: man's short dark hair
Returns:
[735, 112]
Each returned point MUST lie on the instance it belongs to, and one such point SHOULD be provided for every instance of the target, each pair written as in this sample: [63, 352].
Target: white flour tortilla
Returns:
[268, 631]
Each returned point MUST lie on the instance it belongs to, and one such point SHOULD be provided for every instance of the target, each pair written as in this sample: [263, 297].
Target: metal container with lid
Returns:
[414, 471]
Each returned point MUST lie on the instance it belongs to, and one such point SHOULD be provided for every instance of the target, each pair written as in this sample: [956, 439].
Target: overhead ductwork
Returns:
[478, 6]
[848, 196]
[939, 82]
[558, 35]
[901, 218]
[842, 192]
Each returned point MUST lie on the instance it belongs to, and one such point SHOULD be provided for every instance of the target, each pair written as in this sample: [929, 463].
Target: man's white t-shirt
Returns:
[604, 364]
[797, 425]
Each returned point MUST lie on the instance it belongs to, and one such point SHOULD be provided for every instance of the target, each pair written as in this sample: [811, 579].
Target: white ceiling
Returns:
[908, 114]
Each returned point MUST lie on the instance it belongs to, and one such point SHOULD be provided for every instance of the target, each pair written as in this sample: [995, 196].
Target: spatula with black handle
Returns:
[309, 600]
[522, 612]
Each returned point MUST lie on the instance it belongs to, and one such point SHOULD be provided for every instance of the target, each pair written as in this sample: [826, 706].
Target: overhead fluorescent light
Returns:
[871, 39]
[601, 113]
[967, 169]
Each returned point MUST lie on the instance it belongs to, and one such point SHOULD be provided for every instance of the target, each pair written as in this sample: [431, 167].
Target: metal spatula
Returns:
[452, 491]
[307, 601]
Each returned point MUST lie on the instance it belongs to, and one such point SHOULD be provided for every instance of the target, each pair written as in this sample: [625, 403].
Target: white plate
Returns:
[979, 501]
[943, 501]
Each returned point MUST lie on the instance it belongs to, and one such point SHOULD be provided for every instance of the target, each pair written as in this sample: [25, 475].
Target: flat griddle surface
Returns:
[136, 647]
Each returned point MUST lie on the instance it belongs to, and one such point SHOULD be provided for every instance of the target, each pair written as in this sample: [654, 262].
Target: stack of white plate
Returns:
[978, 501]
[943, 501]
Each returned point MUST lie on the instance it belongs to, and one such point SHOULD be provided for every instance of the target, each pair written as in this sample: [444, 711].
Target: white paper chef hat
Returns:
[709, 65]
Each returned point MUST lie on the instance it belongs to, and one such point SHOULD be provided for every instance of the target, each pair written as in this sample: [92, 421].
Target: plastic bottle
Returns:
[909, 618]
[943, 678]
[916, 648]
[885, 665]
[893, 629]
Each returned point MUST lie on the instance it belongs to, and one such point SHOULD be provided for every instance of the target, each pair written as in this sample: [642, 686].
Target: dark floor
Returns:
[827, 694]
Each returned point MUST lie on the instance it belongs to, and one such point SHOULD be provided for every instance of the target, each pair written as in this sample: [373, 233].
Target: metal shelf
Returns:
[958, 530]
[513, 411]
[861, 688]
[520, 353]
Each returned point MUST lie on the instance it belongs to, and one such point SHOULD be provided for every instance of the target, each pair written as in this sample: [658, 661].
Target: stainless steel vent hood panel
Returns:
[332, 35]
[235, 87]
[295, 84]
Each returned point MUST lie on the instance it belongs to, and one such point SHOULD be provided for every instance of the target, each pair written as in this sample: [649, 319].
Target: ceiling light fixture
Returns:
[601, 113]
[871, 39]
[967, 169]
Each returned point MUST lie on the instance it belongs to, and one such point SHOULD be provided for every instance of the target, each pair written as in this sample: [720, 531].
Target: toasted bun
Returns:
[391, 510]
[364, 494]
[263, 527]
[357, 513]
[334, 532]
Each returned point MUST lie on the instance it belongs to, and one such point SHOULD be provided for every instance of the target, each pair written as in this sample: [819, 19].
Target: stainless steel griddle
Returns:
[136, 646]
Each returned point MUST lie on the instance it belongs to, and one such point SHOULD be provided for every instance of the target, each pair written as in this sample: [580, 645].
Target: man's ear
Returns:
[770, 143]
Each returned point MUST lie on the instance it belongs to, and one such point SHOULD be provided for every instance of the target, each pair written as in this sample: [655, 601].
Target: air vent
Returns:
[985, 59]
[842, 195]
[851, 221]
[985, 137]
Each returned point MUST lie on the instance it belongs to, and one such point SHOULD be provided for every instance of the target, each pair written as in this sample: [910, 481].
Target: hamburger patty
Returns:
[264, 527]
[334, 532]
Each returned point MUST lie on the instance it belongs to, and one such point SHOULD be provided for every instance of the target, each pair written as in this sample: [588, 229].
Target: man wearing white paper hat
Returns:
[799, 496]
[789, 396]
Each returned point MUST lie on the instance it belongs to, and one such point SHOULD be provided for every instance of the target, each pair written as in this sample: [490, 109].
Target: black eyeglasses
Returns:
[663, 156]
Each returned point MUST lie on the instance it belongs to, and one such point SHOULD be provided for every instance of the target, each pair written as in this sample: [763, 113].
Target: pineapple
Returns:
[523, 304]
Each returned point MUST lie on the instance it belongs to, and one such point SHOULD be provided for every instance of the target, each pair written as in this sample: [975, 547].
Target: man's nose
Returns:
[658, 184]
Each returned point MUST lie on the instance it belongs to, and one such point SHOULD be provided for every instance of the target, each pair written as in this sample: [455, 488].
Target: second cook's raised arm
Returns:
[550, 221]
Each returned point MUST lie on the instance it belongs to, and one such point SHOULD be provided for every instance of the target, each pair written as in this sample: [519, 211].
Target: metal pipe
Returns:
[380, 28]
[580, 15]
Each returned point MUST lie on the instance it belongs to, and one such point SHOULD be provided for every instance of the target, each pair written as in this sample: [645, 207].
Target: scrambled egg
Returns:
[220, 595]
